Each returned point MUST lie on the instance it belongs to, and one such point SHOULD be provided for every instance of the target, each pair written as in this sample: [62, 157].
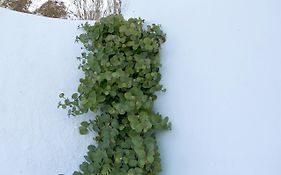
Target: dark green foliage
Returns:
[122, 75]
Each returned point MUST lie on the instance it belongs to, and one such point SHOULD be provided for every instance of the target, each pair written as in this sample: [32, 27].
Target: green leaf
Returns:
[83, 130]
[77, 173]
[67, 102]
[61, 95]
[74, 96]
[85, 124]
[123, 29]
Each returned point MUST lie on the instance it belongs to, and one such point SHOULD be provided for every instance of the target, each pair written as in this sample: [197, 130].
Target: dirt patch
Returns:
[18, 5]
[52, 9]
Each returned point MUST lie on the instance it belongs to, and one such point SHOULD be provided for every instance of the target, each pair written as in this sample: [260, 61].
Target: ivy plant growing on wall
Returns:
[121, 76]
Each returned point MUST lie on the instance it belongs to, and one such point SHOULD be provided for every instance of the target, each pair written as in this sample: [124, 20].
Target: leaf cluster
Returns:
[121, 76]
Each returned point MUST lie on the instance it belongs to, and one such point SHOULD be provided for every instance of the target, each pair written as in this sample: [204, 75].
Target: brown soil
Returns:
[18, 5]
[52, 9]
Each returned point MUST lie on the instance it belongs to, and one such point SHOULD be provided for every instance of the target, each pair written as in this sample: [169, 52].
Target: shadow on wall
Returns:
[76, 9]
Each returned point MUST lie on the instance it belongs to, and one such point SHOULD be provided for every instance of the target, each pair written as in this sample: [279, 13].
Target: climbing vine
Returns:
[121, 76]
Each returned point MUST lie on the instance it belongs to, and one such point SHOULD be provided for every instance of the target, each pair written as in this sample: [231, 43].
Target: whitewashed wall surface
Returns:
[221, 67]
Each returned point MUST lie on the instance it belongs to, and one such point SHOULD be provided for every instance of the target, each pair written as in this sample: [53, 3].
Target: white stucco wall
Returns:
[37, 61]
[221, 67]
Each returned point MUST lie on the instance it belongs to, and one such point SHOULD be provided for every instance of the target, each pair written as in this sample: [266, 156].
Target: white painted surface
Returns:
[37, 62]
[221, 66]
